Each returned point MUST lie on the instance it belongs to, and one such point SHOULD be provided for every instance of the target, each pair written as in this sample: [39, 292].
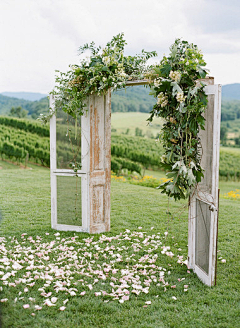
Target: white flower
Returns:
[122, 73]
[180, 97]
[106, 60]
[175, 76]
[157, 83]
[162, 99]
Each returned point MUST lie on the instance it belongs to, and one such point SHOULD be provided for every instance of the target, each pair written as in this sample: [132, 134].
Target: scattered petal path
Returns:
[111, 268]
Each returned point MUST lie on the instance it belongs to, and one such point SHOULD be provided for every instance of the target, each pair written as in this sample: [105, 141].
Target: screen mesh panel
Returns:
[207, 146]
[203, 223]
[68, 137]
[69, 202]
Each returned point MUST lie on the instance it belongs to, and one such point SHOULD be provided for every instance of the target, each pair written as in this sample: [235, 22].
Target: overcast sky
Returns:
[40, 36]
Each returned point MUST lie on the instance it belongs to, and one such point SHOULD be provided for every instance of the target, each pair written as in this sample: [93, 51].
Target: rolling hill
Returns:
[131, 99]
[32, 96]
[231, 91]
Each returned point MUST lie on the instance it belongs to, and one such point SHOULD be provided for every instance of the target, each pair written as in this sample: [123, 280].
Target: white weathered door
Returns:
[80, 199]
[69, 189]
[203, 208]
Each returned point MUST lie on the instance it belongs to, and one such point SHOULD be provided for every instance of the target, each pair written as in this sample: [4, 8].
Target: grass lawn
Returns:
[82, 271]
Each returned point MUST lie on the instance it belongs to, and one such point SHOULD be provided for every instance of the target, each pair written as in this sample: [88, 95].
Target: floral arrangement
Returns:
[181, 102]
[180, 96]
[106, 68]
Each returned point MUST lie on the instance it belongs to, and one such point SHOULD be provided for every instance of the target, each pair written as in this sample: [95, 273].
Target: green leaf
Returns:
[165, 70]
[105, 69]
[176, 88]
[171, 174]
[201, 72]
[203, 98]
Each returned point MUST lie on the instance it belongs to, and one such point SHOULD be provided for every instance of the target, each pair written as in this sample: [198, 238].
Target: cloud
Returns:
[38, 37]
[217, 24]
[215, 16]
[70, 20]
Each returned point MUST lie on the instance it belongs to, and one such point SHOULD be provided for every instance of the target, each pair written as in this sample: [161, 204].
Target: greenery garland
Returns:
[105, 69]
[181, 100]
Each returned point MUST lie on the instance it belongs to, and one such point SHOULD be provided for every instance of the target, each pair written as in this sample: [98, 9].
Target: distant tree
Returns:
[143, 108]
[132, 107]
[237, 141]
[113, 106]
[223, 133]
[18, 112]
[121, 108]
[228, 116]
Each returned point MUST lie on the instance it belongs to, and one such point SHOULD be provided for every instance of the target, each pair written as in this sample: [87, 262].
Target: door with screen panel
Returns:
[68, 164]
[80, 162]
[203, 206]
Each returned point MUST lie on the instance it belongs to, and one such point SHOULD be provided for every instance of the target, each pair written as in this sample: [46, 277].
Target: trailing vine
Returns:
[174, 83]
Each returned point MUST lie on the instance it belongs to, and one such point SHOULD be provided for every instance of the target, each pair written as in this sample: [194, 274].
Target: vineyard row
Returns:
[128, 152]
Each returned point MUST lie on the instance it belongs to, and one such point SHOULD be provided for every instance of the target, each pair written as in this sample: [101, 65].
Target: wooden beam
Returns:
[137, 82]
[208, 80]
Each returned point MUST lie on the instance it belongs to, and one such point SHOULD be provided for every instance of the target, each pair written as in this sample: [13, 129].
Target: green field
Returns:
[138, 223]
[132, 120]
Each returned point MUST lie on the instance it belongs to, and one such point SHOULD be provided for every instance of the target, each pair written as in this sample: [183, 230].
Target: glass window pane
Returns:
[203, 220]
[68, 140]
[69, 202]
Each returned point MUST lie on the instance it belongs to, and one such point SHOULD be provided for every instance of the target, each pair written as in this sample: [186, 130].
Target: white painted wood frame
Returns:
[203, 206]
[96, 167]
